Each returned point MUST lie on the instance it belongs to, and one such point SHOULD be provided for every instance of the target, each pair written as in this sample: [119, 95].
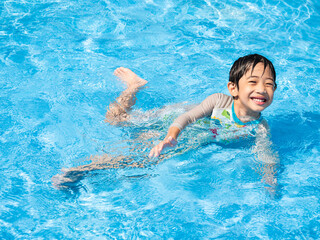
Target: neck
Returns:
[243, 114]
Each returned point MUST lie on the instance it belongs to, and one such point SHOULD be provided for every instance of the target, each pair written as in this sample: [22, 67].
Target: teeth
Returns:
[259, 100]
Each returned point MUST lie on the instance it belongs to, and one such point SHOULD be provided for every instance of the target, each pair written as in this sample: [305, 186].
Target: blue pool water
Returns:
[56, 78]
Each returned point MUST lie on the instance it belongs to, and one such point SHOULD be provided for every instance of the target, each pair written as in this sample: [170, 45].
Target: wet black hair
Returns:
[243, 64]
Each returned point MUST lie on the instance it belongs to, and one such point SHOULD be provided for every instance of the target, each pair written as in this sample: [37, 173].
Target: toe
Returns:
[122, 69]
[116, 72]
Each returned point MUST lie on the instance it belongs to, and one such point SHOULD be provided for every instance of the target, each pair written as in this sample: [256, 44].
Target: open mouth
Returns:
[259, 100]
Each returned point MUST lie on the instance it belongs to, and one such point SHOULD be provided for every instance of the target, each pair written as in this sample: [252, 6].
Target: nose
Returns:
[261, 88]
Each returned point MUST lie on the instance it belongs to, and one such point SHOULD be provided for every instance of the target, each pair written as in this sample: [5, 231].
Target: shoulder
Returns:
[264, 126]
[220, 97]
[220, 100]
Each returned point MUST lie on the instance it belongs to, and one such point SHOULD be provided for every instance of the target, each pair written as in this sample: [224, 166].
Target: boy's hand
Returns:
[169, 142]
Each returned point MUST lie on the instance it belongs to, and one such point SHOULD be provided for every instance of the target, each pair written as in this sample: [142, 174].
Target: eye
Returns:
[252, 81]
[270, 84]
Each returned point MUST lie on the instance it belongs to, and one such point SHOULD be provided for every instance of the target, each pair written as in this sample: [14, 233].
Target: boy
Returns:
[252, 83]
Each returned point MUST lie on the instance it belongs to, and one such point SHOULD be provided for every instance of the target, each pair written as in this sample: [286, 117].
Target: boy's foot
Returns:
[67, 178]
[130, 78]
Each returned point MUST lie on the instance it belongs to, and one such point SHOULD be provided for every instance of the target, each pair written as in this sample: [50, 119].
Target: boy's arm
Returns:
[202, 110]
[266, 158]
[169, 141]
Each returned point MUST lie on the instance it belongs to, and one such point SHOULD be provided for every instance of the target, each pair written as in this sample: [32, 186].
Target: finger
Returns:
[154, 152]
[151, 153]
[157, 151]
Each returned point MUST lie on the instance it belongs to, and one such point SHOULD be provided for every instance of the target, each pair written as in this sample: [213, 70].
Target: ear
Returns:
[233, 89]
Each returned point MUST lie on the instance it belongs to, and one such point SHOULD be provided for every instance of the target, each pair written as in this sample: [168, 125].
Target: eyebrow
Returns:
[252, 76]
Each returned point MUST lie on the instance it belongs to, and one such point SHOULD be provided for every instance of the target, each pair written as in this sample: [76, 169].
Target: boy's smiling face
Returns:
[255, 91]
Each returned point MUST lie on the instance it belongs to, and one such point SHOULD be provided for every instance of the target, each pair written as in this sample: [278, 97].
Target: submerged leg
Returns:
[138, 158]
[118, 110]
[75, 174]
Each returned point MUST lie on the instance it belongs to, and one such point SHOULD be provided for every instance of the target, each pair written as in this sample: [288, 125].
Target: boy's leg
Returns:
[118, 110]
[75, 174]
